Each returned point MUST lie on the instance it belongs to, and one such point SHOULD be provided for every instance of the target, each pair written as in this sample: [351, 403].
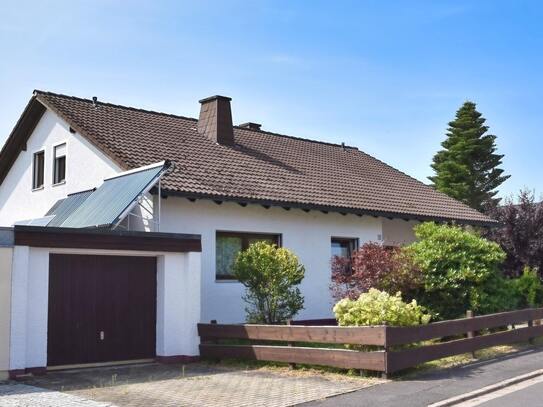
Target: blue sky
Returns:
[386, 76]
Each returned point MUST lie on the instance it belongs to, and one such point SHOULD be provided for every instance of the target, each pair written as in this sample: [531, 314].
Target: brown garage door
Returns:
[101, 308]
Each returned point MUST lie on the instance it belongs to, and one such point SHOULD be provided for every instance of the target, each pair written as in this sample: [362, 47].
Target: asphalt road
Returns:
[530, 397]
[435, 386]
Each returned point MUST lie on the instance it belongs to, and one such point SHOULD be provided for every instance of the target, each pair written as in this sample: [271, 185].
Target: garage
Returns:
[101, 308]
[82, 297]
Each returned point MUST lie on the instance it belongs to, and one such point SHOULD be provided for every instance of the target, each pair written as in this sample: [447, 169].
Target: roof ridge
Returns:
[271, 133]
[136, 109]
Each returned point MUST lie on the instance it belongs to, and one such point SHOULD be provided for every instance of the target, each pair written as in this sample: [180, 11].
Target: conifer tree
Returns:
[468, 167]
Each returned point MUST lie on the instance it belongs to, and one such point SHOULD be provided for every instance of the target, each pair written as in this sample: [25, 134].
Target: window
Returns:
[343, 247]
[59, 164]
[38, 169]
[229, 244]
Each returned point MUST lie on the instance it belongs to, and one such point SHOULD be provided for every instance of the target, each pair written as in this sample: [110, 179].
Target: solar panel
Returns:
[110, 202]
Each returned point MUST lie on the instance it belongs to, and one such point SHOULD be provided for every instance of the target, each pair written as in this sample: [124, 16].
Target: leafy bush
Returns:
[520, 233]
[405, 277]
[529, 289]
[497, 294]
[460, 271]
[377, 308]
[374, 266]
[270, 275]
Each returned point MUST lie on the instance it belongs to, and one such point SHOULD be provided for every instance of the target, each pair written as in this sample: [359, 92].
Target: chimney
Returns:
[215, 120]
[251, 126]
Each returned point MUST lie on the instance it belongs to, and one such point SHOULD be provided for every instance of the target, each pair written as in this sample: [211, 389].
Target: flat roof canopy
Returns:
[71, 238]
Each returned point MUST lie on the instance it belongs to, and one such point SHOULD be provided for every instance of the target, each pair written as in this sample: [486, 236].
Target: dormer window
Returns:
[38, 169]
[59, 164]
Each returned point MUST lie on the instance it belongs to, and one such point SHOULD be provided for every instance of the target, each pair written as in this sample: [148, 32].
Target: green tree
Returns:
[271, 275]
[467, 167]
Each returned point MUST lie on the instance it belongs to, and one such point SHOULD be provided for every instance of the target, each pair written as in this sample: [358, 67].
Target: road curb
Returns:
[488, 389]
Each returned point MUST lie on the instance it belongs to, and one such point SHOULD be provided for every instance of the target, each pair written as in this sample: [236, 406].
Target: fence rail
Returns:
[363, 335]
[405, 335]
[392, 355]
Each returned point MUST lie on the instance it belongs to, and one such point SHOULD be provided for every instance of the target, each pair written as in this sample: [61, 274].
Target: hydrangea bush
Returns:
[378, 308]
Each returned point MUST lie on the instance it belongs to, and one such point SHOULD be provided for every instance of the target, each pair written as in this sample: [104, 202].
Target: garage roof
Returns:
[70, 238]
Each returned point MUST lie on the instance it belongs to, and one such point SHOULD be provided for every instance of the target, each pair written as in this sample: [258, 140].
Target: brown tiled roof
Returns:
[261, 167]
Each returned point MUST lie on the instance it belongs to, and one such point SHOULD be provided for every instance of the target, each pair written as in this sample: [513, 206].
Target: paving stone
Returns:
[224, 389]
[195, 385]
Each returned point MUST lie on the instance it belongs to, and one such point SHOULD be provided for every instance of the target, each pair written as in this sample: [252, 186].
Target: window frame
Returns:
[54, 180]
[245, 237]
[35, 175]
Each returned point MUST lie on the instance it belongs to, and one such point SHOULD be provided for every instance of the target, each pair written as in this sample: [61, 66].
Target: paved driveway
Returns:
[159, 385]
[22, 395]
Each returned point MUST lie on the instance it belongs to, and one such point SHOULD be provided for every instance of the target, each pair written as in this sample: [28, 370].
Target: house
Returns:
[89, 178]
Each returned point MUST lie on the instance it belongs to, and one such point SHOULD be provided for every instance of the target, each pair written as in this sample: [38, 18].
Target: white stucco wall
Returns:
[37, 308]
[86, 167]
[178, 303]
[398, 232]
[19, 305]
[307, 234]
[6, 254]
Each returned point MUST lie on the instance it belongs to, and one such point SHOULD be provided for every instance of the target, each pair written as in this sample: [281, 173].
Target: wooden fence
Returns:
[392, 354]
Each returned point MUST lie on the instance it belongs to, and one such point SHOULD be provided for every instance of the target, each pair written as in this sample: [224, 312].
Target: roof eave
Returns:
[17, 139]
[327, 208]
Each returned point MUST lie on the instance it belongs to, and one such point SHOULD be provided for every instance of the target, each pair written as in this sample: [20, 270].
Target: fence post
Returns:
[531, 324]
[385, 375]
[471, 334]
[290, 344]
[214, 341]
